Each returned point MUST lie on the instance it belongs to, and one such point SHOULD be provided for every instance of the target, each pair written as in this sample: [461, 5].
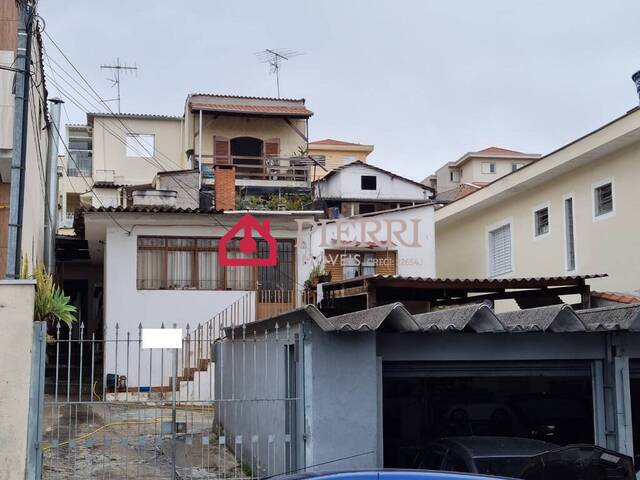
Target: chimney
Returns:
[225, 187]
[636, 79]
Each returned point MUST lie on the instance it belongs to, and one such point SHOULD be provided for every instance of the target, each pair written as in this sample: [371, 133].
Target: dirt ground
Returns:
[132, 441]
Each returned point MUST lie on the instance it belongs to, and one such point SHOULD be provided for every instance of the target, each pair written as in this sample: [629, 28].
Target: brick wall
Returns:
[225, 187]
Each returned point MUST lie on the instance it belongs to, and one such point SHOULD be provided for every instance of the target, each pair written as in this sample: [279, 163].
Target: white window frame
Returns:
[535, 209]
[488, 230]
[138, 150]
[489, 172]
[517, 166]
[565, 197]
[594, 186]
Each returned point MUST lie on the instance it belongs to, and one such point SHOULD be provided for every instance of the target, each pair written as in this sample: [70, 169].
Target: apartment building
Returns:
[474, 170]
[572, 212]
[331, 154]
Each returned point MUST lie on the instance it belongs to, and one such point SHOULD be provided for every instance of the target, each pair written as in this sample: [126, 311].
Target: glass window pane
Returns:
[179, 269]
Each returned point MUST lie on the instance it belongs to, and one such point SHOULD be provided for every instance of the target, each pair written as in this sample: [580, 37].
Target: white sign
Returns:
[161, 338]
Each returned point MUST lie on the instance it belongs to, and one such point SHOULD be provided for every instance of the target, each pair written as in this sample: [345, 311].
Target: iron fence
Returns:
[223, 406]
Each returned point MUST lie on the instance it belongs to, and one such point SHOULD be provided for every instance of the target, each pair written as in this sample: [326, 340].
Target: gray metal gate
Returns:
[113, 410]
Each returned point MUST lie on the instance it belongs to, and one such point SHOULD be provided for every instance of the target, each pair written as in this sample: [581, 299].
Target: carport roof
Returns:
[478, 318]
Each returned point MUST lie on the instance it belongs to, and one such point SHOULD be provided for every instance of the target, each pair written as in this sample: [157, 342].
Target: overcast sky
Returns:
[424, 81]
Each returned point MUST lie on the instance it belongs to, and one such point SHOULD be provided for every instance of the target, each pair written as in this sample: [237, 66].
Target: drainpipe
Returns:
[51, 214]
[20, 129]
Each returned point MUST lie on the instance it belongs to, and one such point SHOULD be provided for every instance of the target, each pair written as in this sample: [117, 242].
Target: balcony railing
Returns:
[65, 220]
[258, 168]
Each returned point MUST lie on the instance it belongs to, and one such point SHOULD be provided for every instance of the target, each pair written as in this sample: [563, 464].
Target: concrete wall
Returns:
[109, 151]
[341, 399]
[186, 185]
[346, 184]
[16, 317]
[610, 245]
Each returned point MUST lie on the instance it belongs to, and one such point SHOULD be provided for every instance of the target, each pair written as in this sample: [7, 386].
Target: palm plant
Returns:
[51, 304]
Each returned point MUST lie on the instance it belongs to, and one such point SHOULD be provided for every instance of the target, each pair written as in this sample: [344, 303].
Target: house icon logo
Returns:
[248, 244]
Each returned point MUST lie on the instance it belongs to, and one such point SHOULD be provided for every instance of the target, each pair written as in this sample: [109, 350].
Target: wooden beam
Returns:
[296, 129]
[513, 295]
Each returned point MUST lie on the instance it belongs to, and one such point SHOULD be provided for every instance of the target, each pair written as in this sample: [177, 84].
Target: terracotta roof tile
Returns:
[616, 297]
[331, 141]
[498, 150]
[300, 111]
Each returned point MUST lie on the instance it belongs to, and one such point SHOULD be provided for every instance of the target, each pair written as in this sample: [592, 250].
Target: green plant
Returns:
[51, 304]
[317, 270]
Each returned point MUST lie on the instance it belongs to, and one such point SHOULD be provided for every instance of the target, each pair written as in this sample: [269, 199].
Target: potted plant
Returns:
[317, 275]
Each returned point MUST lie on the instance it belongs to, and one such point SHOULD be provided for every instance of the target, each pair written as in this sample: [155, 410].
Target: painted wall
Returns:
[109, 149]
[610, 245]
[347, 184]
[412, 260]
[231, 127]
[337, 156]
[471, 171]
[16, 316]
[341, 400]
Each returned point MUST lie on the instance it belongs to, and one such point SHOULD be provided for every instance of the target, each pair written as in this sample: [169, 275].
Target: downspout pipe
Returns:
[20, 129]
[51, 214]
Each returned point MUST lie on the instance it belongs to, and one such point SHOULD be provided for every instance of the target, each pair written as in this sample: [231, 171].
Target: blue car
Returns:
[386, 475]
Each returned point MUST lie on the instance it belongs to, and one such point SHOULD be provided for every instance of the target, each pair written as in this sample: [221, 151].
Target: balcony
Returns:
[65, 220]
[266, 172]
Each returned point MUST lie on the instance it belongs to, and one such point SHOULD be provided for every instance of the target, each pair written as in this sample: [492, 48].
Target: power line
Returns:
[275, 58]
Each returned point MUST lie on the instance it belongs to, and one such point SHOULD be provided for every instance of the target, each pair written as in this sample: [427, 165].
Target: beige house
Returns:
[476, 169]
[332, 154]
[572, 212]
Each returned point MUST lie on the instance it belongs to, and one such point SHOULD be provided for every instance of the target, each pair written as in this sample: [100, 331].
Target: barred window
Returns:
[191, 263]
[603, 199]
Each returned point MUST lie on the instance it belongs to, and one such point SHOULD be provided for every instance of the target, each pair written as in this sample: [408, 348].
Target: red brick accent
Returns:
[225, 187]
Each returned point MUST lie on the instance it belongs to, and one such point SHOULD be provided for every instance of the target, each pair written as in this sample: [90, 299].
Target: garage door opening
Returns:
[418, 410]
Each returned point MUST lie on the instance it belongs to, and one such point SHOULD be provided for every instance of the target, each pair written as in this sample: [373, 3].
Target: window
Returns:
[500, 262]
[141, 146]
[603, 199]
[181, 263]
[366, 208]
[454, 175]
[368, 182]
[516, 166]
[569, 235]
[80, 156]
[541, 222]
[488, 167]
[357, 264]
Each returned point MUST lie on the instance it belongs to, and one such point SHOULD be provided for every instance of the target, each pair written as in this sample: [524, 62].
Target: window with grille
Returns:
[488, 167]
[184, 263]
[570, 246]
[541, 221]
[500, 262]
[603, 199]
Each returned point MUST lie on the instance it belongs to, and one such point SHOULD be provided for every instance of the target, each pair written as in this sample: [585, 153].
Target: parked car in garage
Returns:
[525, 458]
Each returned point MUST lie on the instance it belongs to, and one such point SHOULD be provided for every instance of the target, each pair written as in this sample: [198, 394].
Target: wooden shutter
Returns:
[335, 268]
[386, 263]
[221, 150]
[500, 251]
[272, 147]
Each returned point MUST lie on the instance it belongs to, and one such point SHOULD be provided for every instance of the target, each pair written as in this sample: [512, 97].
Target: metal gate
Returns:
[113, 409]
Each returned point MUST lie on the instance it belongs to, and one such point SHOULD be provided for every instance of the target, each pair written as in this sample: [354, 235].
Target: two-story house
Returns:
[331, 154]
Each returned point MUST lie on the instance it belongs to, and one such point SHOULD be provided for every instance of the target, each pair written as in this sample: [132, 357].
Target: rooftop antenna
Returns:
[115, 80]
[275, 58]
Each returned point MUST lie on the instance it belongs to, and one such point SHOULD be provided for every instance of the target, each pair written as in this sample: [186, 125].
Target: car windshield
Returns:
[500, 466]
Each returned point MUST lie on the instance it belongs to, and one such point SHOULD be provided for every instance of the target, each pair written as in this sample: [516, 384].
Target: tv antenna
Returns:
[275, 58]
[115, 80]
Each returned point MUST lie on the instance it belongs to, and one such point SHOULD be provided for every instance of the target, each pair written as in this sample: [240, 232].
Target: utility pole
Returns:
[115, 81]
[51, 214]
[20, 129]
